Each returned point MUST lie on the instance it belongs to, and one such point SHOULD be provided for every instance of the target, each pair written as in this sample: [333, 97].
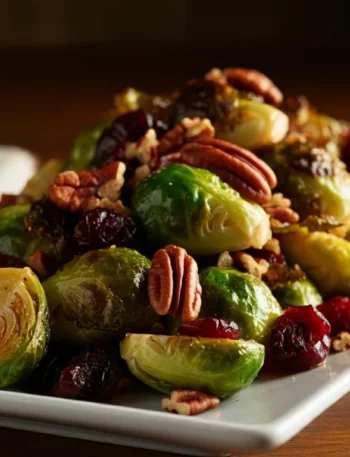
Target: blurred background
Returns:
[62, 60]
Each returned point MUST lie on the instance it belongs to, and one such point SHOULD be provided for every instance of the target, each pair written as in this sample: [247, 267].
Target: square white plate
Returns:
[264, 416]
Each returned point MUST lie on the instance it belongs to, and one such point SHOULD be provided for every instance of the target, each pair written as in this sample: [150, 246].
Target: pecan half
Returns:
[184, 131]
[86, 190]
[189, 402]
[254, 81]
[173, 284]
[279, 208]
[341, 342]
[238, 167]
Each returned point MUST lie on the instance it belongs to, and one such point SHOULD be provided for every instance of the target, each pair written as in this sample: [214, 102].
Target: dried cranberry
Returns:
[299, 340]
[337, 311]
[8, 261]
[129, 127]
[269, 256]
[101, 228]
[210, 328]
[92, 375]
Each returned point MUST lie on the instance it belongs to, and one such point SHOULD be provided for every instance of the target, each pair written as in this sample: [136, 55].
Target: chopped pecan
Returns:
[144, 149]
[238, 167]
[341, 342]
[86, 191]
[140, 174]
[173, 284]
[216, 75]
[253, 80]
[279, 208]
[186, 130]
[256, 267]
[189, 402]
[225, 260]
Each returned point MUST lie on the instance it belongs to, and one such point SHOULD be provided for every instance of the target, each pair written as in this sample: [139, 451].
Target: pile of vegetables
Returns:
[156, 251]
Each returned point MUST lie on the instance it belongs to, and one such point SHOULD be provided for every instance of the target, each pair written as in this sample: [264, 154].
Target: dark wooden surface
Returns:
[45, 100]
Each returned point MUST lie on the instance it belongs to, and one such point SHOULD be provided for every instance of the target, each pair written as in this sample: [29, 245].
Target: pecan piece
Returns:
[254, 81]
[144, 149]
[254, 266]
[341, 342]
[189, 402]
[86, 191]
[238, 167]
[216, 76]
[279, 208]
[173, 284]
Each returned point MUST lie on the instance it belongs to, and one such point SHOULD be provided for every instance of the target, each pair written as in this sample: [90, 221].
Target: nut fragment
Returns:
[216, 76]
[273, 245]
[253, 80]
[341, 342]
[189, 402]
[186, 130]
[279, 208]
[140, 174]
[225, 260]
[86, 190]
[255, 267]
[173, 284]
[238, 167]
[144, 149]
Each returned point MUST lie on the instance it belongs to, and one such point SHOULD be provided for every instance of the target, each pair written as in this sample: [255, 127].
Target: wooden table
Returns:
[44, 101]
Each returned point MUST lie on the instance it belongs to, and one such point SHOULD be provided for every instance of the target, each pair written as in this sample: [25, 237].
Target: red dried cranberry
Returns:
[210, 328]
[299, 340]
[8, 261]
[101, 228]
[269, 256]
[92, 375]
[337, 311]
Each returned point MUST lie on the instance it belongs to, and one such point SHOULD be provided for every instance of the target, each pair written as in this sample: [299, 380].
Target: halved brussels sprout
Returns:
[15, 240]
[100, 296]
[85, 144]
[298, 293]
[24, 324]
[193, 208]
[315, 182]
[253, 125]
[219, 367]
[323, 256]
[239, 297]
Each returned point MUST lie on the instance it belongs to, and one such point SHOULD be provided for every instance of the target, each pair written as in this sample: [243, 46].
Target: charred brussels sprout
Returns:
[316, 182]
[85, 144]
[298, 293]
[323, 256]
[219, 367]
[193, 208]
[100, 296]
[241, 298]
[24, 325]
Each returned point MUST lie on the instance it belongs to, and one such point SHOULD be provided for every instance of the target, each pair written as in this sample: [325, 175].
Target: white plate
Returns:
[264, 416]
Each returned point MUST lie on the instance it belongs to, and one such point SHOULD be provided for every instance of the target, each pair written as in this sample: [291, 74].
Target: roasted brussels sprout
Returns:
[85, 144]
[253, 125]
[315, 182]
[323, 256]
[132, 99]
[219, 367]
[100, 296]
[15, 240]
[194, 209]
[239, 297]
[24, 324]
[298, 293]
[39, 184]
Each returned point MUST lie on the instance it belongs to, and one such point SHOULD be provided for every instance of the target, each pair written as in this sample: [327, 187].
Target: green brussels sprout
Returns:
[219, 367]
[298, 293]
[253, 125]
[239, 297]
[15, 240]
[194, 209]
[315, 182]
[100, 296]
[84, 146]
[323, 256]
[24, 324]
